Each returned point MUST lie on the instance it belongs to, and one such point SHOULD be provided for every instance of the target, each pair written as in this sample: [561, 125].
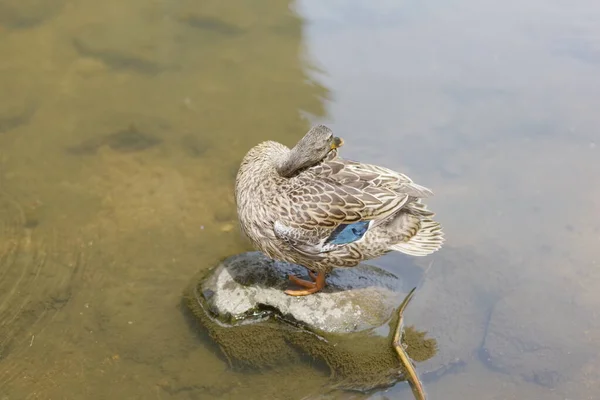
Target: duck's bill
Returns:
[337, 142]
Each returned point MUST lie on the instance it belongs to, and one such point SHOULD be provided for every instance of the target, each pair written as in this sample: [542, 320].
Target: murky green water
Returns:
[122, 125]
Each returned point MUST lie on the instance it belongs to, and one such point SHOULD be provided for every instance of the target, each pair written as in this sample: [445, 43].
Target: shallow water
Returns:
[122, 126]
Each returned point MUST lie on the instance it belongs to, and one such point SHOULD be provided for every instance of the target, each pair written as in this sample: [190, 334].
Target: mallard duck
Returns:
[309, 206]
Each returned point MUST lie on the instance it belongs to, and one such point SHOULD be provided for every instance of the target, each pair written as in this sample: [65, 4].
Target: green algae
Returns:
[266, 340]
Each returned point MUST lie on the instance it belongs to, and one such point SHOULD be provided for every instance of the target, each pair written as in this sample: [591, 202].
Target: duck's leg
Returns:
[303, 282]
[311, 287]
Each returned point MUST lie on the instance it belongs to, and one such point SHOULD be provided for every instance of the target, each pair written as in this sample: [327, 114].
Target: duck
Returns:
[309, 206]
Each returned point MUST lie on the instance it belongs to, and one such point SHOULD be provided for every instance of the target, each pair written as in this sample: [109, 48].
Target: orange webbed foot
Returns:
[311, 287]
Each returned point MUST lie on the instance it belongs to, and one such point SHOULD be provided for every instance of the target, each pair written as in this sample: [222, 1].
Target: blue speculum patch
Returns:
[348, 233]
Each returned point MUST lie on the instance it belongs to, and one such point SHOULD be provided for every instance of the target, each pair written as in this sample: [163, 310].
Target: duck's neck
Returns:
[293, 161]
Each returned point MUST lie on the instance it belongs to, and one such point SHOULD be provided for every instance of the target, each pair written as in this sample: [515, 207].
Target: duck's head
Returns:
[319, 140]
[310, 150]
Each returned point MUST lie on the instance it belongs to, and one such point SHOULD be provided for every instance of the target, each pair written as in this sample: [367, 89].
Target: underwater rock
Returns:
[211, 23]
[126, 140]
[18, 105]
[27, 13]
[527, 341]
[348, 326]
[454, 303]
[123, 48]
[121, 132]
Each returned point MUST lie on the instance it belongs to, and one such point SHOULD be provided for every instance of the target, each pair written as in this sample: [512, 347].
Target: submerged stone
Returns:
[530, 343]
[18, 106]
[127, 140]
[120, 47]
[349, 325]
[28, 13]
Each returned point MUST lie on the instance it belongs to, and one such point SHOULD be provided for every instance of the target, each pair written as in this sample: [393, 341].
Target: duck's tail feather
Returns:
[415, 190]
[415, 207]
[428, 239]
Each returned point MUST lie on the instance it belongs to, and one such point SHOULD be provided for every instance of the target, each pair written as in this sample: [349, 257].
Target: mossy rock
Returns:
[348, 326]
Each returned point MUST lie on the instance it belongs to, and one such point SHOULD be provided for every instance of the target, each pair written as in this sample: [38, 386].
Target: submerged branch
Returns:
[413, 379]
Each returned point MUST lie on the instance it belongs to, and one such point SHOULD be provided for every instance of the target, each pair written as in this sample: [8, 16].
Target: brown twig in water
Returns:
[413, 379]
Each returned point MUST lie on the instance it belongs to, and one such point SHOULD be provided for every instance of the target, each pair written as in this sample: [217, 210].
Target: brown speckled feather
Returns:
[342, 191]
[293, 218]
[335, 192]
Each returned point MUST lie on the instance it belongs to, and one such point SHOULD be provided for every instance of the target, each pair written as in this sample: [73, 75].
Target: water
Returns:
[122, 125]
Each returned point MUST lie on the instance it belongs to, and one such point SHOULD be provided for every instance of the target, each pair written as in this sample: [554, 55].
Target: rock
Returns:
[27, 13]
[211, 25]
[119, 46]
[18, 106]
[527, 341]
[122, 133]
[126, 140]
[348, 326]
[453, 305]
[214, 23]
[249, 281]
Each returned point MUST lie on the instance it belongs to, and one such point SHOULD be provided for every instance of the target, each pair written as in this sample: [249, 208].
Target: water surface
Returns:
[122, 126]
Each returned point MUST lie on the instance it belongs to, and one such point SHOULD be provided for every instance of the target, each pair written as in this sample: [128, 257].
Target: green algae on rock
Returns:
[242, 306]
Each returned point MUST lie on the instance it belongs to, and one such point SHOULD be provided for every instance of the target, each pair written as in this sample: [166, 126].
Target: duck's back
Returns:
[342, 212]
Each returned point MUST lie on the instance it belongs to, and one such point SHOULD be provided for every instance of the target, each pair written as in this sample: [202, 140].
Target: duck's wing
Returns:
[336, 202]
